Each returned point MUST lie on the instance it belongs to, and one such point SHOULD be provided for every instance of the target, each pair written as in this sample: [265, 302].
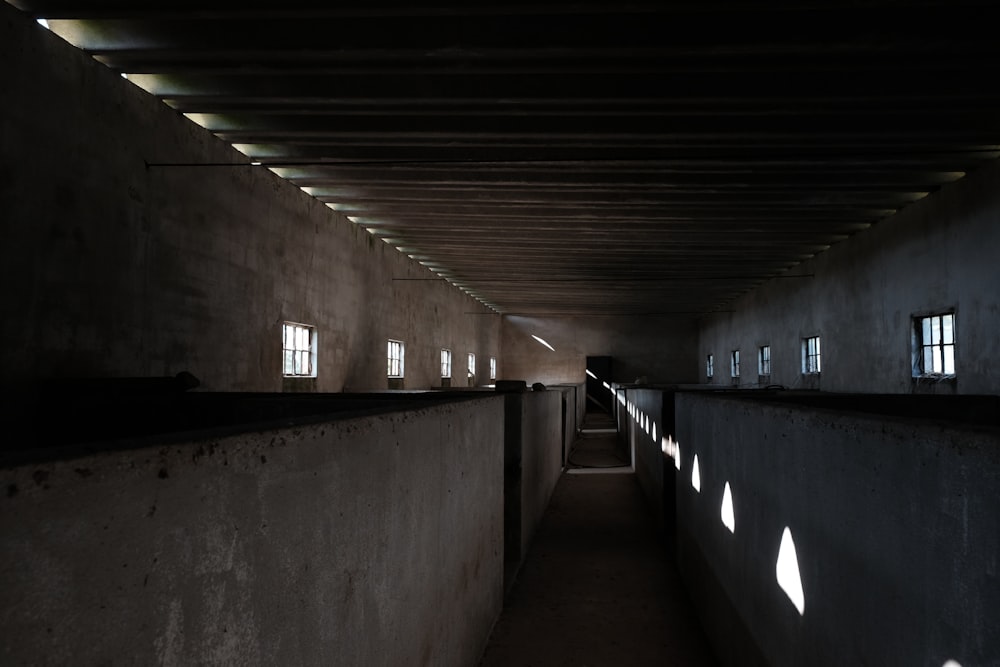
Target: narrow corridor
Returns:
[598, 585]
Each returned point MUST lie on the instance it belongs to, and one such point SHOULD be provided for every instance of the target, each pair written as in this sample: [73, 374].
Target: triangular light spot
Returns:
[728, 518]
[788, 572]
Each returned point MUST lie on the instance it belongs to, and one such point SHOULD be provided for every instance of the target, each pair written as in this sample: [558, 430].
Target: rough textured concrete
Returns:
[365, 541]
[894, 523]
[116, 268]
[597, 586]
[860, 296]
[532, 464]
[662, 348]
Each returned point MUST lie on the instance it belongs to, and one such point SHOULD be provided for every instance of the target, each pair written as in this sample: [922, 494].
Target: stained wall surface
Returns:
[373, 540]
[938, 254]
[659, 348]
[892, 524]
[124, 254]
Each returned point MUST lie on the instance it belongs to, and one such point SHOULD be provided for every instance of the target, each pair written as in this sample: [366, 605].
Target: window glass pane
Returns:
[925, 326]
[936, 330]
[949, 359]
[289, 362]
[937, 364]
[286, 336]
[948, 326]
[926, 359]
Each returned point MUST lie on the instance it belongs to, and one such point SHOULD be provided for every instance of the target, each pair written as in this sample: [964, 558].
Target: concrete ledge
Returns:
[893, 522]
[369, 540]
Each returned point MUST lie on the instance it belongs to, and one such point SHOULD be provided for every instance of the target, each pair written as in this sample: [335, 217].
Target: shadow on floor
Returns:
[598, 585]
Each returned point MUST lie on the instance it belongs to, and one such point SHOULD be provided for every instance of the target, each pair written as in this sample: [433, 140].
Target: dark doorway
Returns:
[598, 373]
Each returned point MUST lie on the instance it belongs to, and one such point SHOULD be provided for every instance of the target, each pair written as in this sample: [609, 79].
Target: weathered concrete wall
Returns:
[654, 409]
[936, 254]
[118, 269]
[894, 524]
[366, 541]
[532, 464]
[572, 407]
[661, 348]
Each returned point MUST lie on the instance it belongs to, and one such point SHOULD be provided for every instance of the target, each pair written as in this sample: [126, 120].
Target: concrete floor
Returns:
[598, 585]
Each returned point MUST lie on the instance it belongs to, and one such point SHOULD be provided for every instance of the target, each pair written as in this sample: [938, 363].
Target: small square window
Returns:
[934, 345]
[298, 350]
[445, 363]
[734, 367]
[395, 357]
[493, 368]
[709, 366]
[811, 356]
[764, 360]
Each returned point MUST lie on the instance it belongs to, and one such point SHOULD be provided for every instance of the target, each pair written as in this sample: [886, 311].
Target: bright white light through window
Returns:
[677, 454]
[764, 360]
[787, 571]
[607, 386]
[696, 475]
[734, 364]
[709, 366]
[591, 374]
[543, 342]
[493, 368]
[471, 365]
[395, 358]
[952, 663]
[43, 22]
[934, 339]
[653, 435]
[728, 518]
[445, 363]
[298, 350]
[811, 355]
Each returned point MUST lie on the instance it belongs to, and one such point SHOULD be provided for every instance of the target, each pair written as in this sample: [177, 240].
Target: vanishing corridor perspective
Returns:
[396, 333]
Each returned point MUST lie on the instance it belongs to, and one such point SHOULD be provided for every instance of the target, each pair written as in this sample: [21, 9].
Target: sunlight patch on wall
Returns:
[696, 475]
[728, 517]
[787, 571]
[543, 342]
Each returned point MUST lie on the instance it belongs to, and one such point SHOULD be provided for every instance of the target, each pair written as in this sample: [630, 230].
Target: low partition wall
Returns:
[572, 418]
[811, 536]
[532, 466]
[364, 540]
[647, 429]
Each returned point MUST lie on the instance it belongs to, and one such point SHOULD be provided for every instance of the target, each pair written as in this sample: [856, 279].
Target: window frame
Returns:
[309, 351]
[764, 360]
[812, 355]
[445, 363]
[941, 348]
[400, 359]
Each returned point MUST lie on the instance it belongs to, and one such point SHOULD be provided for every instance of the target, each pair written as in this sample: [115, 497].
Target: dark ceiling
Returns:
[575, 157]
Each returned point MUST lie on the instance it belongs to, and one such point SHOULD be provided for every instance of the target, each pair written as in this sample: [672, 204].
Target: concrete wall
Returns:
[650, 423]
[661, 348]
[936, 254]
[573, 408]
[533, 462]
[894, 524]
[373, 540]
[114, 268]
